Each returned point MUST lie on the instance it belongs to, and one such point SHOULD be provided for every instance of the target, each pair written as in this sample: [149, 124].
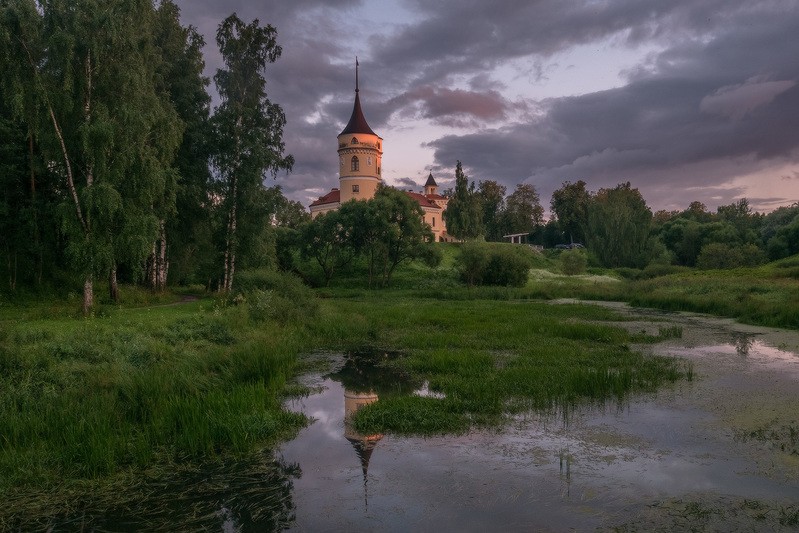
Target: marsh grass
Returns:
[781, 436]
[85, 399]
[489, 359]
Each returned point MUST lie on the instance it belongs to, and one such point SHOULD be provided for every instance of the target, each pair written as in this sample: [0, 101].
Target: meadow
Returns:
[168, 381]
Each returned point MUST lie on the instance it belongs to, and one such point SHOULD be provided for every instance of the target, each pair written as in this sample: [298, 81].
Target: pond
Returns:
[721, 451]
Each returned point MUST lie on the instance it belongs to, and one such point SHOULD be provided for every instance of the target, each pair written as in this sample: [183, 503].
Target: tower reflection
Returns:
[364, 445]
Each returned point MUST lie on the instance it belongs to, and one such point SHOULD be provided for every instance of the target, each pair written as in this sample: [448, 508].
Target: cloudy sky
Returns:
[686, 99]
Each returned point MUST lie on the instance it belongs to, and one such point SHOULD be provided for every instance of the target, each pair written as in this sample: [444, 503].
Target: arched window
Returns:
[354, 141]
[355, 165]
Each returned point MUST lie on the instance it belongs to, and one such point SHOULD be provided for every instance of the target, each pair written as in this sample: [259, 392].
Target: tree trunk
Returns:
[113, 287]
[12, 269]
[157, 264]
[88, 295]
[35, 210]
[230, 248]
[163, 265]
[151, 267]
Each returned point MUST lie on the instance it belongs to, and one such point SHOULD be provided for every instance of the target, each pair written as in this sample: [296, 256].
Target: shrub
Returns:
[275, 295]
[573, 262]
[472, 262]
[487, 264]
[719, 255]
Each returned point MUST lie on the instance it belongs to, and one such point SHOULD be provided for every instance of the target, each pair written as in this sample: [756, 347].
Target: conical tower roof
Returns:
[430, 181]
[357, 123]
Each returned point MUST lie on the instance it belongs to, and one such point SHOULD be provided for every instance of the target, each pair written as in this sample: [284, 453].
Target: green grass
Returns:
[492, 358]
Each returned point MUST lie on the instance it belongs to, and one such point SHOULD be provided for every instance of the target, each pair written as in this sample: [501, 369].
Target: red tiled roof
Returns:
[421, 199]
[333, 197]
[435, 197]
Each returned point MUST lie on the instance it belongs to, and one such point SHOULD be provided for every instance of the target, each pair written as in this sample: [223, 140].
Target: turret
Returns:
[360, 152]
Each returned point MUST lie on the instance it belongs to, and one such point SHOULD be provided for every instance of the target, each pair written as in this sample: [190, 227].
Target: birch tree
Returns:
[83, 73]
[248, 128]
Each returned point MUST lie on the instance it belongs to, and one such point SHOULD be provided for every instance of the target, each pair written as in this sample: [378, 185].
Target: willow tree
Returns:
[86, 67]
[248, 128]
[618, 227]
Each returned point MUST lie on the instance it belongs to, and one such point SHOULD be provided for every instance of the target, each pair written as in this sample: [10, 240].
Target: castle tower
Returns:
[430, 187]
[360, 152]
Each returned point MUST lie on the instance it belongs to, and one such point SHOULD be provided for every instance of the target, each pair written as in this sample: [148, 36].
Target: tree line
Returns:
[619, 228]
[113, 165]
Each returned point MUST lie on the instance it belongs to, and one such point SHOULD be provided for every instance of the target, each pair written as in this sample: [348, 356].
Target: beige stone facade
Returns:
[360, 152]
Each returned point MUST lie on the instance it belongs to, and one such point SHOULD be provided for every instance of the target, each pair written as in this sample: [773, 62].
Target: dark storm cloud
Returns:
[719, 97]
[732, 96]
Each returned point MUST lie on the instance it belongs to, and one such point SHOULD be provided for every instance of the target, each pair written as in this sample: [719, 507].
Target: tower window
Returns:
[356, 189]
[354, 141]
[355, 164]
[378, 171]
[434, 222]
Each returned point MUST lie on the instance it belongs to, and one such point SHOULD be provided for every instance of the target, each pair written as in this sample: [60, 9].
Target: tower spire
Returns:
[357, 123]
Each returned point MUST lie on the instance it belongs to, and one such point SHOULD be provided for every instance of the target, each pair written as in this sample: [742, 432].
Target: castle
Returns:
[360, 152]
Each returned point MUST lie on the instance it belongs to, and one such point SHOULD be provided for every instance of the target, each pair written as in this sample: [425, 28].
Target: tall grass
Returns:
[489, 359]
[89, 398]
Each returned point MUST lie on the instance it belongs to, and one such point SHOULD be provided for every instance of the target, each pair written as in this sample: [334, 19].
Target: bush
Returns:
[492, 264]
[720, 256]
[656, 270]
[573, 262]
[272, 295]
[472, 263]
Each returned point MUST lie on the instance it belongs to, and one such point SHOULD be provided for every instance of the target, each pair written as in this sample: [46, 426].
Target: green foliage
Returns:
[85, 81]
[573, 262]
[385, 231]
[464, 211]
[719, 255]
[523, 211]
[480, 263]
[276, 296]
[327, 241]
[492, 201]
[247, 134]
[618, 227]
[570, 206]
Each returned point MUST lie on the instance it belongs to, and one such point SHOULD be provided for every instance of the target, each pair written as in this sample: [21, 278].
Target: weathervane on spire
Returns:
[356, 74]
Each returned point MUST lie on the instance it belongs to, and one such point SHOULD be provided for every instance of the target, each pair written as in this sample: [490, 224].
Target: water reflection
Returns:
[364, 376]
[363, 444]
[743, 342]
